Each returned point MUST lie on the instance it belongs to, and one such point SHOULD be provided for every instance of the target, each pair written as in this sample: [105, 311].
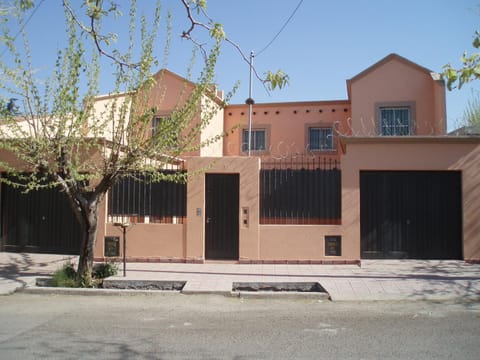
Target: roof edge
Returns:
[299, 103]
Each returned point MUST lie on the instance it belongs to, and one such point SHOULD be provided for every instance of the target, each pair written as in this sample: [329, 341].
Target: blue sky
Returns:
[325, 43]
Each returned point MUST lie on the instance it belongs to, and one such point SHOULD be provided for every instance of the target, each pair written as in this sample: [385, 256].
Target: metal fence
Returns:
[300, 190]
[136, 198]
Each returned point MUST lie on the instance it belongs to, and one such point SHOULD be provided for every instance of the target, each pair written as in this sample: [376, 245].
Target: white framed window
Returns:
[258, 140]
[321, 138]
[395, 121]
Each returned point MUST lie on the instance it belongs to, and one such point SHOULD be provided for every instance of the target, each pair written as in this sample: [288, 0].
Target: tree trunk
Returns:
[84, 203]
[85, 261]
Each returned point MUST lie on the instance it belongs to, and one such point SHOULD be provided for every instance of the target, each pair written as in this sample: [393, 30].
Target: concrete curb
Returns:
[7, 292]
[282, 295]
[10, 288]
[447, 298]
[408, 298]
[38, 290]
[94, 292]
[47, 290]
[208, 292]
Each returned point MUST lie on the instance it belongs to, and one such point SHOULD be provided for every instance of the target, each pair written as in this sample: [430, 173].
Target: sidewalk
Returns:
[19, 270]
[377, 280]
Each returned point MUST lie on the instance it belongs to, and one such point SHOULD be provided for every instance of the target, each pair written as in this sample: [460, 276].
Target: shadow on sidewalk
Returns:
[19, 266]
[380, 276]
[462, 285]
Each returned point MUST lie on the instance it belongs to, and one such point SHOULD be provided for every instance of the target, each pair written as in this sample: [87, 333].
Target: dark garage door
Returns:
[411, 214]
[38, 222]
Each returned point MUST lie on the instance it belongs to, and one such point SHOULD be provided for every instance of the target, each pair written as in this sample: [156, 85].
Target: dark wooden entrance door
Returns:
[411, 214]
[221, 216]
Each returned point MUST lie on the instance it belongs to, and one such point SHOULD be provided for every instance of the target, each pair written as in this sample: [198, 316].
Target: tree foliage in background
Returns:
[471, 114]
[61, 141]
[470, 70]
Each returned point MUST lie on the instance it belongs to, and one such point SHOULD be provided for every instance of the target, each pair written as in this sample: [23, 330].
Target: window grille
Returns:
[258, 140]
[394, 121]
[300, 192]
[140, 199]
[320, 139]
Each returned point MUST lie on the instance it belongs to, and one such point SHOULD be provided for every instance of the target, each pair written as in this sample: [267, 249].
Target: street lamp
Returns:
[250, 103]
[124, 227]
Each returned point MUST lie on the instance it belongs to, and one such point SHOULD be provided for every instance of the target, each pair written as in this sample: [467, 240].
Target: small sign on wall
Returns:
[112, 246]
[333, 245]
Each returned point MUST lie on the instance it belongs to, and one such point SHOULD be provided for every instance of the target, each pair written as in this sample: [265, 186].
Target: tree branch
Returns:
[97, 37]
[211, 28]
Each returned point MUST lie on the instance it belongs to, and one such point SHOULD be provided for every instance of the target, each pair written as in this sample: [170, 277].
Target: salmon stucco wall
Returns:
[302, 243]
[164, 242]
[248, 169]
[393, 82]
[448, 153]
[161, 241]
[439, 107]
[11, 159]
[171, 92]
[286, 126]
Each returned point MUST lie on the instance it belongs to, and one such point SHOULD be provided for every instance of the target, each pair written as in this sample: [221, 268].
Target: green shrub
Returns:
[101, 271]
[65, 277]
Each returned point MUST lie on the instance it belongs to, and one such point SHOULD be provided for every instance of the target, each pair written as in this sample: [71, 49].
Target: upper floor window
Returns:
[395, 121]
[320, 138]
[165, 131]
[158, 123]
[258, 140]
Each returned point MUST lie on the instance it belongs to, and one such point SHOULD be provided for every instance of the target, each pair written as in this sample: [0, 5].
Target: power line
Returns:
[281, 29]
[24, 24]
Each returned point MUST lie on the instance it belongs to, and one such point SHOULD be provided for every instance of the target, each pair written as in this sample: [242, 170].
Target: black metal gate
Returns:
[39, 222]
[221, 216]
[411, 214]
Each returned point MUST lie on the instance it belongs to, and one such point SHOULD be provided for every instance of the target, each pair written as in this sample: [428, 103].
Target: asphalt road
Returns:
[216, 327]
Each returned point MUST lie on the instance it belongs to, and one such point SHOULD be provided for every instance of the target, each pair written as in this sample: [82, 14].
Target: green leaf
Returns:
[217, 32]
[25, 4]
[476, 71]
[476, 40]
[279, 79]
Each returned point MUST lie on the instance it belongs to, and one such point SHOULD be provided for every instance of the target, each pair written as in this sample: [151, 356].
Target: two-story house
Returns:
[333, 181]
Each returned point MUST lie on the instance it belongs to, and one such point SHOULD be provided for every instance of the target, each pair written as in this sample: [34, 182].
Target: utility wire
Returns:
[281, 29]
[24, 25]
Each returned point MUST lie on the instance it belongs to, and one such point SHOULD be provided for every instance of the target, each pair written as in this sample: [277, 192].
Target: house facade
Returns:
[371, 176]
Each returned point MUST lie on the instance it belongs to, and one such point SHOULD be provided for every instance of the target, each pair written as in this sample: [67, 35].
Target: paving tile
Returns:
[374, 280]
